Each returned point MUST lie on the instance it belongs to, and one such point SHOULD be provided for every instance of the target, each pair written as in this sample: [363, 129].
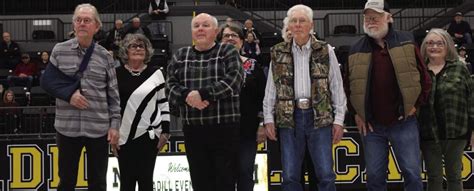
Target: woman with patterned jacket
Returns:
[446, 122]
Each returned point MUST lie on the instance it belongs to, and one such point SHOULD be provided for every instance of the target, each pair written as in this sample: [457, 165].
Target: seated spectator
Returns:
[9, 115]
[251, 48]
[464, 58]
[100, 37]
[231, 21]
[158, 9]
[460, 30]
[137, 28]
[43, 63]
[23, 73]
[115, 36]
[248, 28]
[9, 52]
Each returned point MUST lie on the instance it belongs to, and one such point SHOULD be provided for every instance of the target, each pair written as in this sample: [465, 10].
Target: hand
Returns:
[162, 140]
[271, 131]
[157, 12]
[194, 100]
[22, 75]
[412, 111]
[457, 35]
[78, 100]
[112, 138]
[337, 133]
[115, 149]
[261, 135]
[361, 125]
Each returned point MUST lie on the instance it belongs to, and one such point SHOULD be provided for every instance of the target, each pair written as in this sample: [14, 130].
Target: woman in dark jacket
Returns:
[251, 99]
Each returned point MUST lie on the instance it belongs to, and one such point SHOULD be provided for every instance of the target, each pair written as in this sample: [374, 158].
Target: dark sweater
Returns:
[251, 98]
[384, 91]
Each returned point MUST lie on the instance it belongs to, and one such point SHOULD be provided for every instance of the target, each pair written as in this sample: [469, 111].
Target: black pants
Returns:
[137, 163]
[70, 149]
[212, 156]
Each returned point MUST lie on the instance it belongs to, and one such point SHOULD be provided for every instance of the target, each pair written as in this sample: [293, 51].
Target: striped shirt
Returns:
[98, 85]
[301, 58]
[217, 74]
[144, 104]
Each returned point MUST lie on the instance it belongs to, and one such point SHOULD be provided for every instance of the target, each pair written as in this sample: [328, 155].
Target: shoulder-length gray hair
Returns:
[133, 38]
[451, 53]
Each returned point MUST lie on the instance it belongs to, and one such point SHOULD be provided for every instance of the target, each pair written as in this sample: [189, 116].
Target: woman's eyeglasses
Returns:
[136, 46]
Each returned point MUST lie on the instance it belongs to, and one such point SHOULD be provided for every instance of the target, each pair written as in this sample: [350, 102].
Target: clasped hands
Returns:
[194, 100]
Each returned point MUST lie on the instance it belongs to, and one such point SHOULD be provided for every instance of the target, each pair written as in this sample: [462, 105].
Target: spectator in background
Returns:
[464, 58]
[229, 21]
[248, 28]
[10, 115]
[24, 72]
[9, 52]
[251, 48]
[460, 30]
[158, 10]
[41, 66]
[446, 122]
[137, 28]
[101, 37]
[251, 97]
[115, 36]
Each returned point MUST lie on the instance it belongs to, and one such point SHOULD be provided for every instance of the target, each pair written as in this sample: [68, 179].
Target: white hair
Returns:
[300, 7]
[213, 19]
[92, 8]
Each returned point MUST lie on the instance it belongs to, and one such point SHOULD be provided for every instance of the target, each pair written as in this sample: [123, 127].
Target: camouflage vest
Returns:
[283, 76]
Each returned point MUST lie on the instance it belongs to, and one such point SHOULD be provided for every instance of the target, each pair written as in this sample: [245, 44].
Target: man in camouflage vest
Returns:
[304, 90]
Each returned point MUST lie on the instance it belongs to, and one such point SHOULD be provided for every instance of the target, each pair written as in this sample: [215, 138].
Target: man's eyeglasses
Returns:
[372, 18]
[230, 35]
[136, 46]
[433, 43]
[24, 57]
[83, 20]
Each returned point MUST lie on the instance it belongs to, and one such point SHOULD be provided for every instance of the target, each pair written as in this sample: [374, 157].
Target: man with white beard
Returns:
[386, 83]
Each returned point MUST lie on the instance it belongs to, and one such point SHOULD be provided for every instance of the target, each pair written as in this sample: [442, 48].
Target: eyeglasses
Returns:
[83, 20]
[136, 46]
[433, 43]
[230, 35]
[298, 20]
[372, 18]
[24, 57]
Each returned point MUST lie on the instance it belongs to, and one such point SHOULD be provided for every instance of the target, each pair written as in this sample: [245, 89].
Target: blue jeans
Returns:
[293, 142]
[404, 138]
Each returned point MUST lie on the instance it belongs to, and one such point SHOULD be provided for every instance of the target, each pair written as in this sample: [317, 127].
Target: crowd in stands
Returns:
[20, 70]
